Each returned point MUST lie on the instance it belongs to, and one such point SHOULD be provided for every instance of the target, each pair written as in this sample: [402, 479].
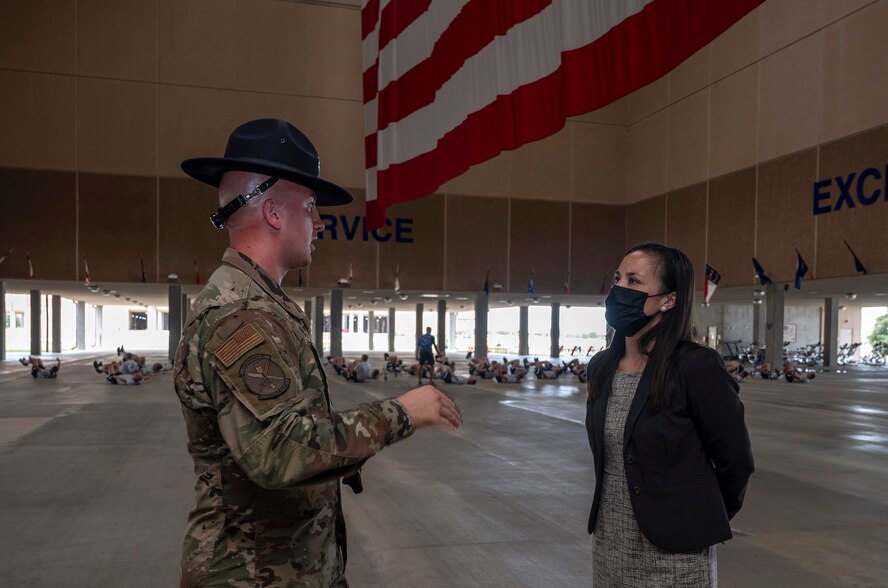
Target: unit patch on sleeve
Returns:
[237, 344]
[264, 377]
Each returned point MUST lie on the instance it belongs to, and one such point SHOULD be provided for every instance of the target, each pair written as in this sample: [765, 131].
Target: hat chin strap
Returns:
[219, 217]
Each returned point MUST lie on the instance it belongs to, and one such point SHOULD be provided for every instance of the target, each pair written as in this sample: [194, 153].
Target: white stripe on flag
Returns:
[370, 179]
[369, 53]
[418, 39]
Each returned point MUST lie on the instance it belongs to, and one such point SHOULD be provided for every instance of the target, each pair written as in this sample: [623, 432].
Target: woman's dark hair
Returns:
[677, 275]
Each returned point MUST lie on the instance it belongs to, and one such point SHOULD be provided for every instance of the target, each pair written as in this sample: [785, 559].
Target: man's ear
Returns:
[270, 214]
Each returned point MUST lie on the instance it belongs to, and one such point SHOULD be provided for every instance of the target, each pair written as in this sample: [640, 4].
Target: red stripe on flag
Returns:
[375, 213]
[652, 43]
[370, 150]
[479, 22]
[369, 17]
[397, 16]
[370, 80]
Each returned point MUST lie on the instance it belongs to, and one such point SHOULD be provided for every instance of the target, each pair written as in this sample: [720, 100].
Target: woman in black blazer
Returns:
[665, 423]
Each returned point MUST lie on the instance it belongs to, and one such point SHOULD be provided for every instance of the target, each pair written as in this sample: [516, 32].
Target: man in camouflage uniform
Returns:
[267, 446]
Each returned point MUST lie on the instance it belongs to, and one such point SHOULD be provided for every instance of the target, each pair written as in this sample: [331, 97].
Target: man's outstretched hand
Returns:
[429, 406]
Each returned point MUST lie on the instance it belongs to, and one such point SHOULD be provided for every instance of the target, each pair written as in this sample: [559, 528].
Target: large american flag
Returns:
[452, 83]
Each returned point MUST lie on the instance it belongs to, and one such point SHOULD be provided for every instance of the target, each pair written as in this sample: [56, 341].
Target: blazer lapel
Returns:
[642, 393]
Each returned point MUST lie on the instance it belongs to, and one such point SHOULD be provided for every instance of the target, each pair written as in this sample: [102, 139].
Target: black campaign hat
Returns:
[274, 147]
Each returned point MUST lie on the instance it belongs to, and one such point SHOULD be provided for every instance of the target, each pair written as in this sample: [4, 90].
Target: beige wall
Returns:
[791, 75]
[132, 87]
[101, 99]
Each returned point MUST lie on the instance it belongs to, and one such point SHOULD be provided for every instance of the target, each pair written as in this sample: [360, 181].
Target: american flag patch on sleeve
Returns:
[237, 344]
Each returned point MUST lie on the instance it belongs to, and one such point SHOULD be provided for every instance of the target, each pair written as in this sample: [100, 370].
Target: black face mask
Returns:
[624, 310]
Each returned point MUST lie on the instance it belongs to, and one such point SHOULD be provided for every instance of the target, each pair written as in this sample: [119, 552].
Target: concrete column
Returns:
[391, 333]
[419, 329]
[774, 300]
[56, 346]
[3, 318]
[318, 326]
[35, 322]
[80, 325]
[186, 305]
[481, 306]
[523, 347]
[371, 329]
[452, 332]
[306, 308]
[441, 337]
[336, 322]
[555, 331]
[830, 332]
[757, 324]
[174, 296]
[100, 324]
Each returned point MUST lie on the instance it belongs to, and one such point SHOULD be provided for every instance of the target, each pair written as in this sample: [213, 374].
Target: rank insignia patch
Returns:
[264, 377]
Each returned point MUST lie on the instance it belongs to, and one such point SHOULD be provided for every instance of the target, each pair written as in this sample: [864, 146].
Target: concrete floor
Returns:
[96, 483]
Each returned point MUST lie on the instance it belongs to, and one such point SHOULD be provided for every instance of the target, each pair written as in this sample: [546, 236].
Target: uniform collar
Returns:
[242, 262]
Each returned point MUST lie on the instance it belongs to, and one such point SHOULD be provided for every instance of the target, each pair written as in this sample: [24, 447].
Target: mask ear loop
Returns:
[219, 217]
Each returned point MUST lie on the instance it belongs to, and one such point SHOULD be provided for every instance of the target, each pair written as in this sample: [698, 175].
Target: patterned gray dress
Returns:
[622, 555]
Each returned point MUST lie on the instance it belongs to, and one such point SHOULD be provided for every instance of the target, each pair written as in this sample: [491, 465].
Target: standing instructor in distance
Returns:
[268, 448]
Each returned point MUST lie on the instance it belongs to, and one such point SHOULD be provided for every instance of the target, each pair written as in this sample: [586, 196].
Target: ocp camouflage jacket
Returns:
[268, 449]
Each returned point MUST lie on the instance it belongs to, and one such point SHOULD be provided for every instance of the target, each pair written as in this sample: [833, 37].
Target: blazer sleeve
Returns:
[714, 402]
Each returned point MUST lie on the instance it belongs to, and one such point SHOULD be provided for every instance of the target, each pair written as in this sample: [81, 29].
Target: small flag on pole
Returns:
[530, 289]
[196, 274]
[566, 288]
[397, 282]
[300, 277]
[142, 266]
[30, 267]
[764, 280]
[86, 275]
[858, 267]
[5, 255]
[487, 283]
[801, 270]
[712, 279]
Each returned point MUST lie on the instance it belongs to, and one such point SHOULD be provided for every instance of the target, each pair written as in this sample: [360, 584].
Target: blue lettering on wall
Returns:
[329, 226]
[818, 197]
[848, 191]
[844, 191]
[350, 233]
[874, 196]
[382, 238]
[404, 230]
[356, 227]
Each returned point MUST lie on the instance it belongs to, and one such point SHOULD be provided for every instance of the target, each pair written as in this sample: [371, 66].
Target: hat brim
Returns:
[210, 170]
